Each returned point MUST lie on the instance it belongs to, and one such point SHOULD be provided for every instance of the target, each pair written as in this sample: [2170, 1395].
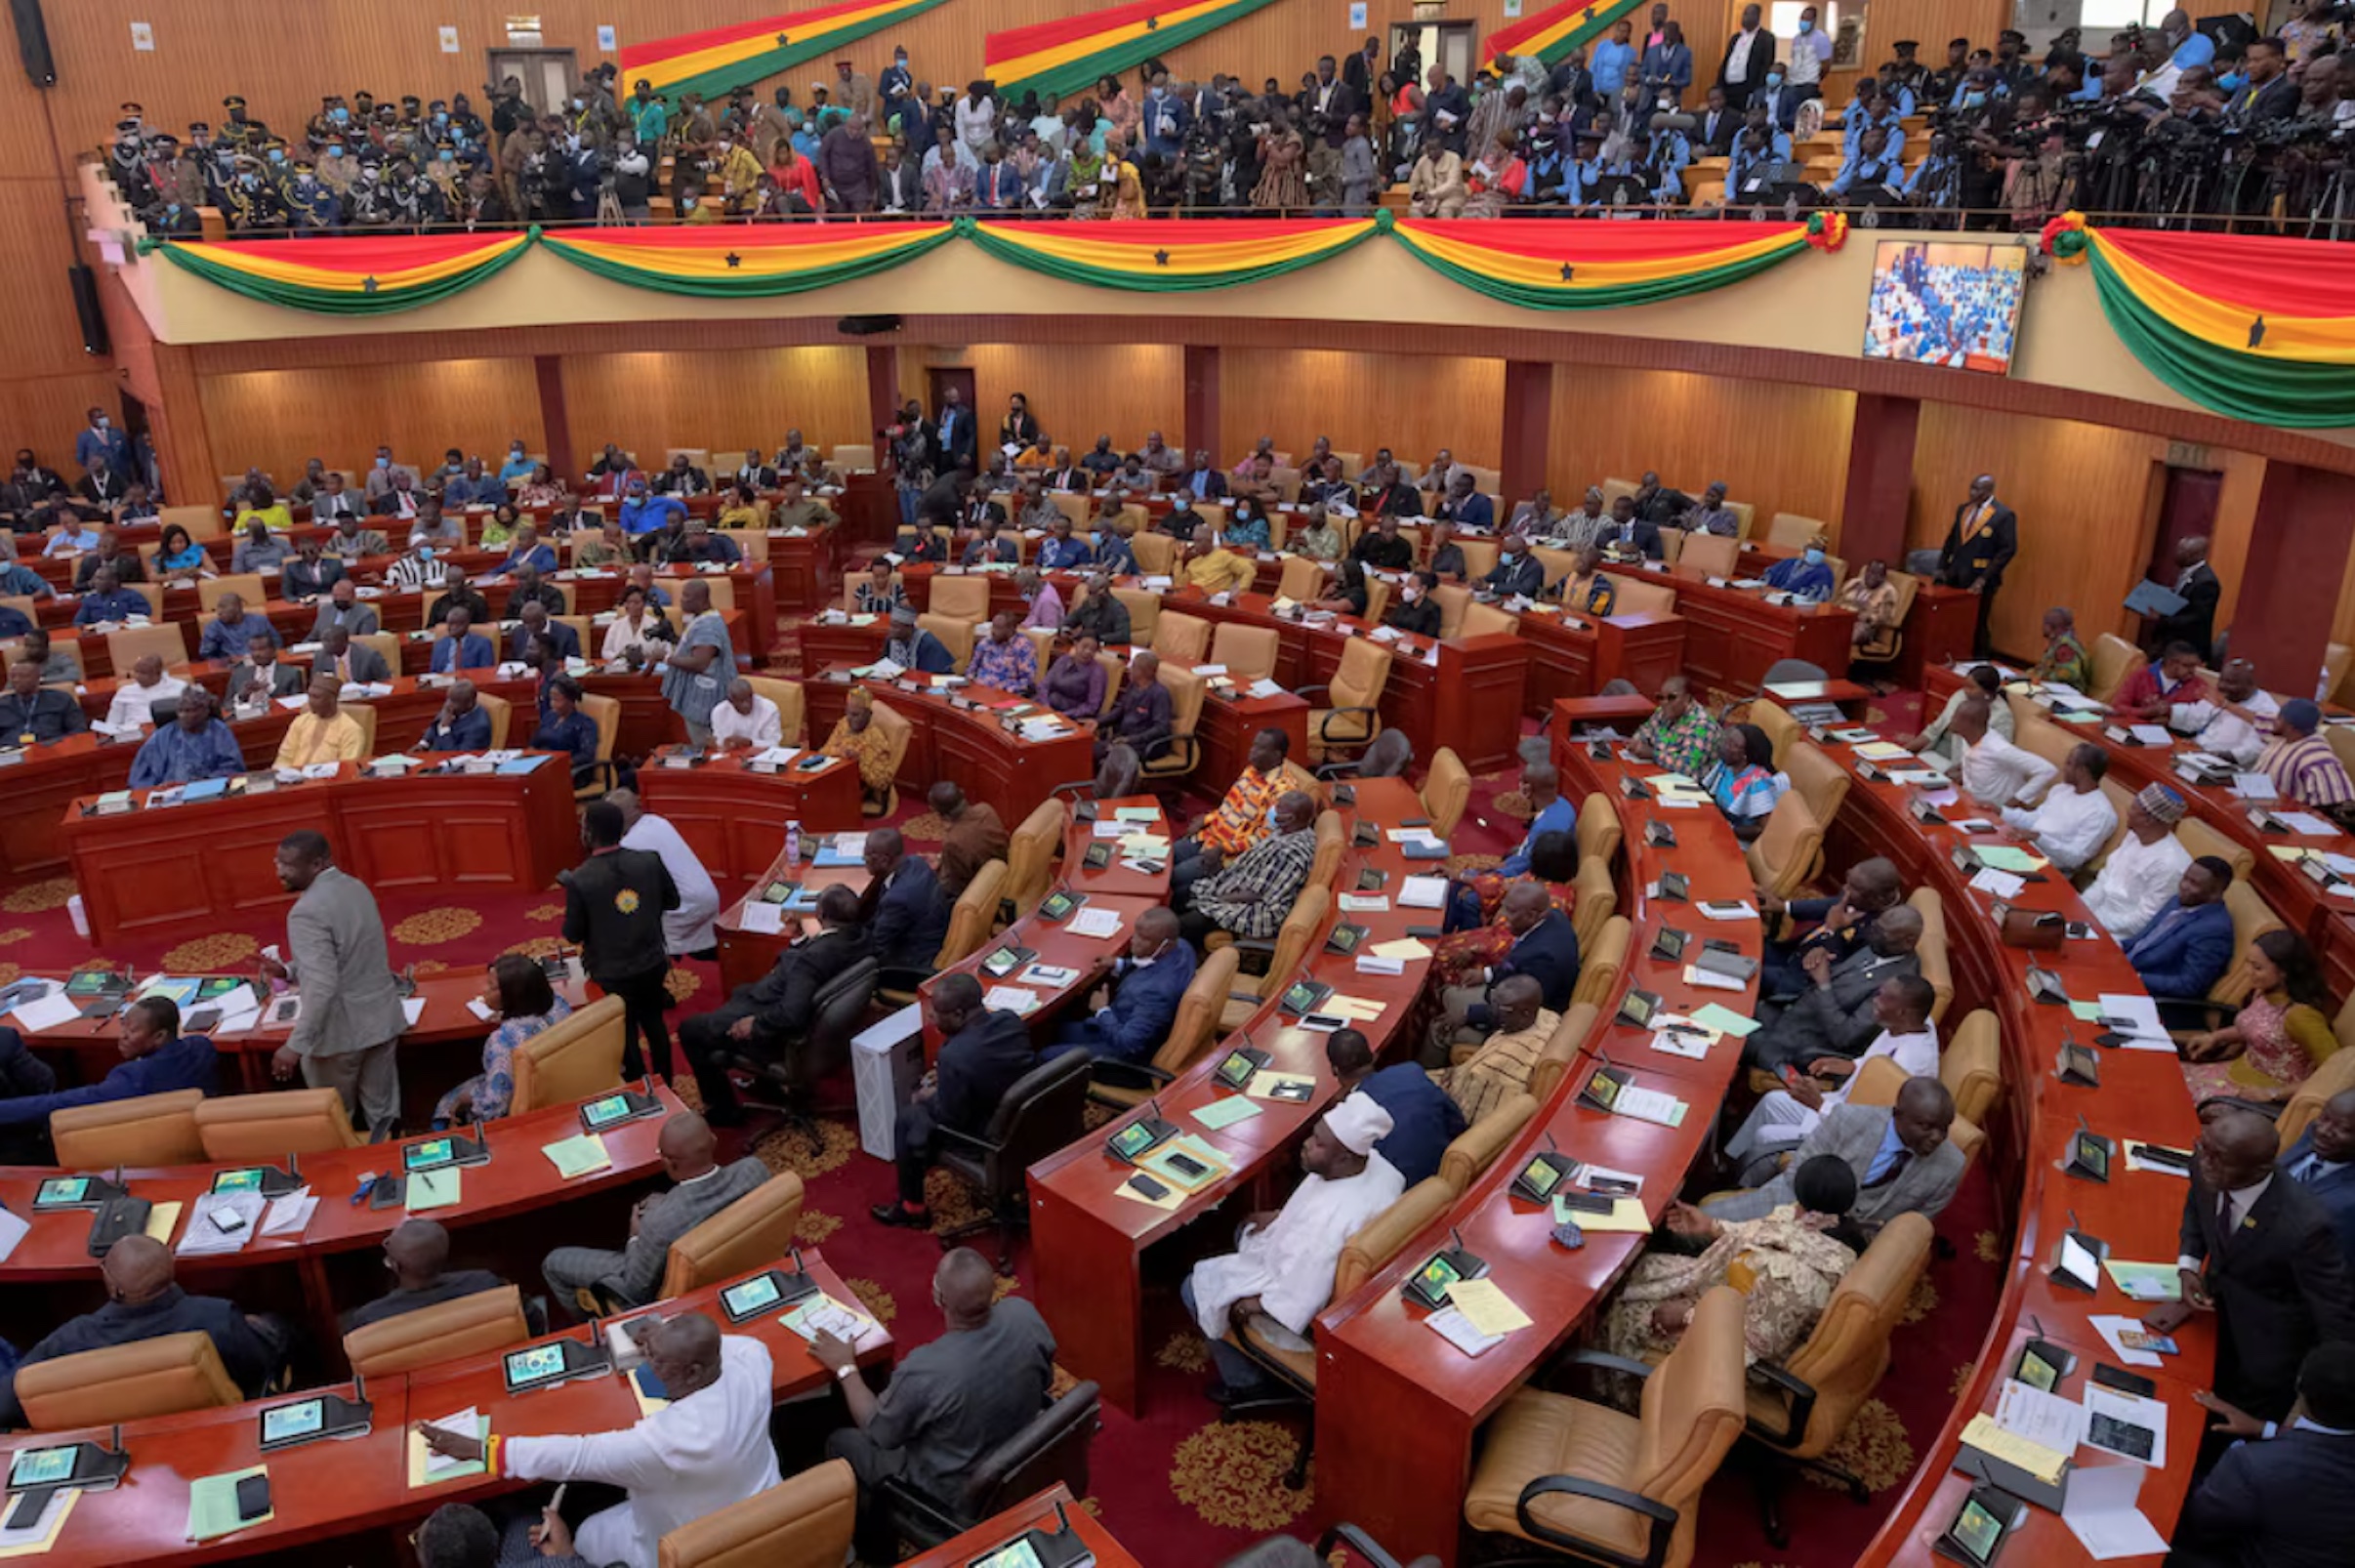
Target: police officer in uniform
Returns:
[1979, 544]
[315, 206]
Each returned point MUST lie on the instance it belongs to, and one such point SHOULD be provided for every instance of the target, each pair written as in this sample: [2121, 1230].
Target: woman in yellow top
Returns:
[2280, 1036]
[1127, 201]
[259, 502]
[856, 737]
[744, 509]
[500, 527]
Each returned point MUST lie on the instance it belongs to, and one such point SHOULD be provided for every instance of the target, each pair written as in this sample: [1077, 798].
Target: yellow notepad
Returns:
[1486, 1307]
[51, 1523]
[2036, 1459]
[160, 1220]
[578, 1155]
[1264, 1083]
[1405, 947]
[433, 1189]
[1627, 1218]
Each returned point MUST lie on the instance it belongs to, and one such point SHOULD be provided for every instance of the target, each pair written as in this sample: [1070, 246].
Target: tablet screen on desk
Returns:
[40, 1467]
[1437, 1276]
[743, 1300]
[246, 1180]
[1016, 1554]
[538, 1364]
[431, 1152]
[1541, 1175]
[62, 1189]
[1132, 1140]
[1978, 1531]
[605, 1112]
[303, 1419]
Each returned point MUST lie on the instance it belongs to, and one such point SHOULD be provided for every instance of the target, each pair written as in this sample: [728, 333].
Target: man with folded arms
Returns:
[1251, 894]
[194, 746]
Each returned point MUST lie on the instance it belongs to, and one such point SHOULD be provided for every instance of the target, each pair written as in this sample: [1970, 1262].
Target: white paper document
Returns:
[221, 1222]
[289, 1214]
[47, 1012]
[2139, 1421]
[2045, 1419]
[1095, 920]
[2001, 883]
[762, 917]
[2100, 1511]
[13, 1227]
[1423, 892]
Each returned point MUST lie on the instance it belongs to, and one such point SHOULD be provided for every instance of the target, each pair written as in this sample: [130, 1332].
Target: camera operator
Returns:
[2039, 175]
[1982, 126]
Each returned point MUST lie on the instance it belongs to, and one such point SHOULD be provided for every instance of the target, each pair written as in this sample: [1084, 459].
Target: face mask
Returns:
[1182, 506]
[1815, 558]
[342, 116]
[1806, 25]
[1972, 101]
[383, 462]
[449, 158]
[576, 102]
[103, 421]
[2231, 81]
[1774, 78]
[425, 552]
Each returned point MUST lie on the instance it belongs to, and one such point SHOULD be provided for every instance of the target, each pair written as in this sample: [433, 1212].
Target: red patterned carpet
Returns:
[1179, 1489]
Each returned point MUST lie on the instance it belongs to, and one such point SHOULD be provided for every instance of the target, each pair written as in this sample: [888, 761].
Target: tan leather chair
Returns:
[1780, 857]
[1303, 923]
[604, 712]
[363, 713]
[900, 733]
[2199, 839]
[1793, 532]
[247, 1128]
[1187, 691]
[1249, 652]
[955, 632]
[964, 598]
[1971, 1066]
[2333, 1077]
[1330, 845]
[724, 592]
[975, 915]
[1030, 854]
[1156, 553]
[1597, 901]
[751, 1233]
[1354, 718]
[1636, 596]
[1885, 646]
[1486, 620]
[249, 587]
[1692, 1413]
[578, 1056]
[1822, 783]
[502, 716]
[793, 721]
[1144, 614]
[2114, 660]
[1933, 953]
[1598, 967]
[1477, 1147]
[1775, 723]
[1380, 1238]
[1479, 557]
[1446, 792]
[127, 646]
[2251, 919]
[159, 1376]
[1191, 1033]
[487, 1320]
[2342, 744]
[1453, 599]
[146, 1130]
[1598, 831]
[1718, 555]
[1555, 1062]
[1302, 580]
[1183, 639]
[804, 1521]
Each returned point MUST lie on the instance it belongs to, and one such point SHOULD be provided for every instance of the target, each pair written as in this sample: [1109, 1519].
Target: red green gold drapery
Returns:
[717, 61]
[2252, 326]
[370, 276]
[1072, 55]
[1169, 255]
[736, 261]
[1596, 263]
[1553, 32]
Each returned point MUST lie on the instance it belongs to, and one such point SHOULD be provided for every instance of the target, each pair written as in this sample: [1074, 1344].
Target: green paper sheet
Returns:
[1717, 1015]
[2145, 1282]
[1221, 1113]
[578, 1155]
[2008, 857]
[433, 1189]
[213, 1505]
[2088, 1010]
[1137, 813]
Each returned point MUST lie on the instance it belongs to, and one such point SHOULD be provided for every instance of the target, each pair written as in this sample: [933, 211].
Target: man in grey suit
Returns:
[348, 661]
[704, 1186]
[263, 668]
[352, 1017]
[344, 611]
[1902, 1160]
[1835, 1016]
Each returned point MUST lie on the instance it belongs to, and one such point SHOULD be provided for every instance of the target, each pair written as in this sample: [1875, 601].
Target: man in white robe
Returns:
[706, 1449]
[1280, 1275]
[686, 931]
[2142, 872]
[2074, 819]
[1783, 1117]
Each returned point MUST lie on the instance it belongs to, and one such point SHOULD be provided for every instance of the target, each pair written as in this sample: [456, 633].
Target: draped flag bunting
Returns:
[1073, 55]
[1596, 264]
[2253, 326]
[1553, 32]
[739, 262]
[350, 276]
[1170, 254]
[718, 59]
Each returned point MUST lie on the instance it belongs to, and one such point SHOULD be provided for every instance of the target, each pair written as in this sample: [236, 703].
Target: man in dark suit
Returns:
[2195, 624]
[2267, 93]
[1836, 1016]
[1204, 482]
[614, 902]
[1979, 544]
[1749, 57]
[2257, 1251]
[983, 1053]
[534, 625]
[1717, 126]
[954, 439]
[1840, 925]
[772, 1014]
[2323, 1162]
[2188, 944]
[1516, 572]
[2284, 1496]
[1628, 534]
[1135, 998]
[1545, 948]
[905, 916]
[262, 669]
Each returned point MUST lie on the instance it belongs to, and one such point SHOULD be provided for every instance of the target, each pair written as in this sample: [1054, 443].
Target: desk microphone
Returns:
[1455, 1233]
[2073, 1226]
[1551, 1147]
[2037, 1324]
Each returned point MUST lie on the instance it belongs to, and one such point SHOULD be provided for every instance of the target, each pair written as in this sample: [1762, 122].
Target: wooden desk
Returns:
[1088, 1241]
[1398, 1409]
[1049, 1513]
[213, 862]
[1575, 657]
[735, 819]
[1733, 637]
[967, 744]
[329, 1492]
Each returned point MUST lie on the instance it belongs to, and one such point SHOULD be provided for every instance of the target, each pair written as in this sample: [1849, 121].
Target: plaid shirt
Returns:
[1688, 746]
[1276, 869]
[1499, 1069]
[1241, 819]
[1010, 665]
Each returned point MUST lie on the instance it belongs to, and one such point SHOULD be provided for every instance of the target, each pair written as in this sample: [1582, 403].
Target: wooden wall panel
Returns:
[1780, 447]
[1412, 404]
[2236, 520]
[725, 401]
[276, 420]
[1078, 391]
[47, 412]
[37, 322]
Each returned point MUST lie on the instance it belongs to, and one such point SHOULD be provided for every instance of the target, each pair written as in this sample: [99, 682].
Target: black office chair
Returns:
[1390, 756]
[836, 1013]
[1364, 1545]
[1783, 670]
[1052, 1448]
[1044, 1110]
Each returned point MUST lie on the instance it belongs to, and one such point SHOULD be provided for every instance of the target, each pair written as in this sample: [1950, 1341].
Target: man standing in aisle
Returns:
[351, 1019]
[614, 902]
[1979, 544]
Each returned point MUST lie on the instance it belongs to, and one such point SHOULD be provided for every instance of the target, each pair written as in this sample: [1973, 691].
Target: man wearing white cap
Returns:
[1280, 1274]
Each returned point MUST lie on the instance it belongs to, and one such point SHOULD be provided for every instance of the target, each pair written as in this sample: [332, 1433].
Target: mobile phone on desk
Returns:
[253, 1498]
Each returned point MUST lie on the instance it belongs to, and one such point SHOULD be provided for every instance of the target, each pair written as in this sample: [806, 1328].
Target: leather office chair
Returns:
[1486, 620]
[804, 1521]
[1597, 900]
[1453, 599]
[1718, 555]
[487, 1320]
[1144, 614]
[784, 1084]
[1475, 1148]
[1636, 597]
[1249, 652]
[605, 713]
[1799, 1407]
[1280, 960]
[251, 1129]
[898, 732]
[793, 724]
[1598, 833]
[1883, 645]
[1479, 557]
[1375, 1242]
[1589, 1481]
[2114, 661]
[2335, 1076]
[1192, 1032]
[1781, 730]
[724, 592]
[972, 920]
[1931, 952]
[956, 633]
[1555, 1062]
[1041, 1112]
[2199, 839]
[1156, 553]
[1051, 1448]
[127, 646]
[751, 1233]
[1330, 845]
[159, 1376]
[1820, 782]
[1598, 968]
[146, 1130]
[363, 713]
[249, 587]
[570, 1061]
[1302, 580]
[1030, 852]
[1780, 857]
[1354, 718]
[1180, 640]
[1167, 773]
[1792, 531]
[964, 599]
[1378, 600]
[502, 716]
[1446, 792]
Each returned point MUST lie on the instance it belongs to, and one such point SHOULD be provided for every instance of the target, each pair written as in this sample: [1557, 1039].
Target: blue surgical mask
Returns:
[340, 117]
[1815, 557]
[2231, 81]
[383, 462]
[1774, 78]
[1972, 101]
[425, 552]
[1807, 24]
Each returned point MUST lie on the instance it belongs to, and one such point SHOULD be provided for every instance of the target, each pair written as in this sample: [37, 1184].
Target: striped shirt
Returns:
[2307, 771]
[1499, 1069]
[1242, 819]
[1275, 870]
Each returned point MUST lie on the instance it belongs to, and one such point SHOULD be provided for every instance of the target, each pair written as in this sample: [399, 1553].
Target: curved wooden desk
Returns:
[733, 815]
[1733, 637]
[1047, 1513]
[958, 736]
[332, 1491]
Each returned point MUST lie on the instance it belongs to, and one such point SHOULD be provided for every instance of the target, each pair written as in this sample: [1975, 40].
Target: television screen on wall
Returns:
[1941, 304]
